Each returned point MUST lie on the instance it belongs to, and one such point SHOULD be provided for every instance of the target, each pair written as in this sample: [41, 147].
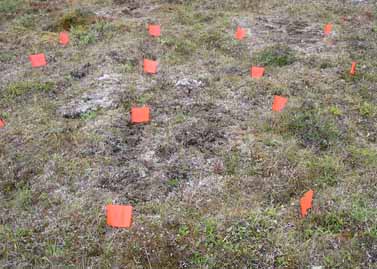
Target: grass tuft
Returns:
[313, 129]
[278, 55]
[17, 89]
[75, 18]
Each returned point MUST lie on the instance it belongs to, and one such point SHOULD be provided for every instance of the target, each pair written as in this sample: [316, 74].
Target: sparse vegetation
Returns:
[21, 88]
[76, 18]
[277, 55]
[325, 171]
[10, 6]
[82, 36]
[313, 129]
[368, 110]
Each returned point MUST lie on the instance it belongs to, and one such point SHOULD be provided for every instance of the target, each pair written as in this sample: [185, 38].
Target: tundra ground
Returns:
[216, 177]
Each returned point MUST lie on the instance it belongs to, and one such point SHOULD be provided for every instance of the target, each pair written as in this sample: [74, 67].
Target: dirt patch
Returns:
[299, 34]
[201, 135]
[107, 95]
[81, 72]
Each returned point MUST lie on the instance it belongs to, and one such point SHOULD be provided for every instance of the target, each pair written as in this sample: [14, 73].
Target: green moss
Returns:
[336, 111]
[27, 21]
[232, 163]
[173, 183]
[82, 35]
[10, 6]
[313, 128]
[277, 55]
[7, 56]
[21, 88]
[330, 222]
[362, 157]
[89, 115]
[325, 170]
[367, 110]
[75, 18]
[23, 198]
[182, 49]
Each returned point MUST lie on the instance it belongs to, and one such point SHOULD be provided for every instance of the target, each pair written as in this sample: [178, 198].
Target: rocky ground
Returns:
[216, 177]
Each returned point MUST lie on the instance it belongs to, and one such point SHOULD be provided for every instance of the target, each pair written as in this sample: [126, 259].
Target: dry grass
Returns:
[216, 177]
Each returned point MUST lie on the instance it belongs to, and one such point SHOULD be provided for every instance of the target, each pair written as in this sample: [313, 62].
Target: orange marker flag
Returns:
[64, 38]
[140, 114]
[119, 216]
[279, 103]
[306, 202]
[353, 68]
[154, 30]
[2, 123]
[150, 66]
[256, 72]
[328, 29]
[38, 60]
[240, 33]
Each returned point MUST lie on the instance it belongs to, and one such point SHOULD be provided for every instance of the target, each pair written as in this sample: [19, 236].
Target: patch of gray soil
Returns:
[297, 33]
[159, 160]
[105, 96]
[134, 8]
[153, 162]
[190, 85]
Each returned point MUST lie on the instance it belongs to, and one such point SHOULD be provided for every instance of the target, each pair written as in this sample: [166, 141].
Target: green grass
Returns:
[364, 157]
[336, 111]
[183, 49]
[23, 198]
[10, 6]
[278, 55]
[6, 56]
[18, 89]
[82, 36]
[27, 21]
[232, 163]
[85, 28]
[313, 129]
[325, 170]
[75, 18]
[368, 110]
[89, 115]
[173, 183]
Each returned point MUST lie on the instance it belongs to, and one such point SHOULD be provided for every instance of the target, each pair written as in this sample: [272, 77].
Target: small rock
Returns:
[191, 84]
[107, 77]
